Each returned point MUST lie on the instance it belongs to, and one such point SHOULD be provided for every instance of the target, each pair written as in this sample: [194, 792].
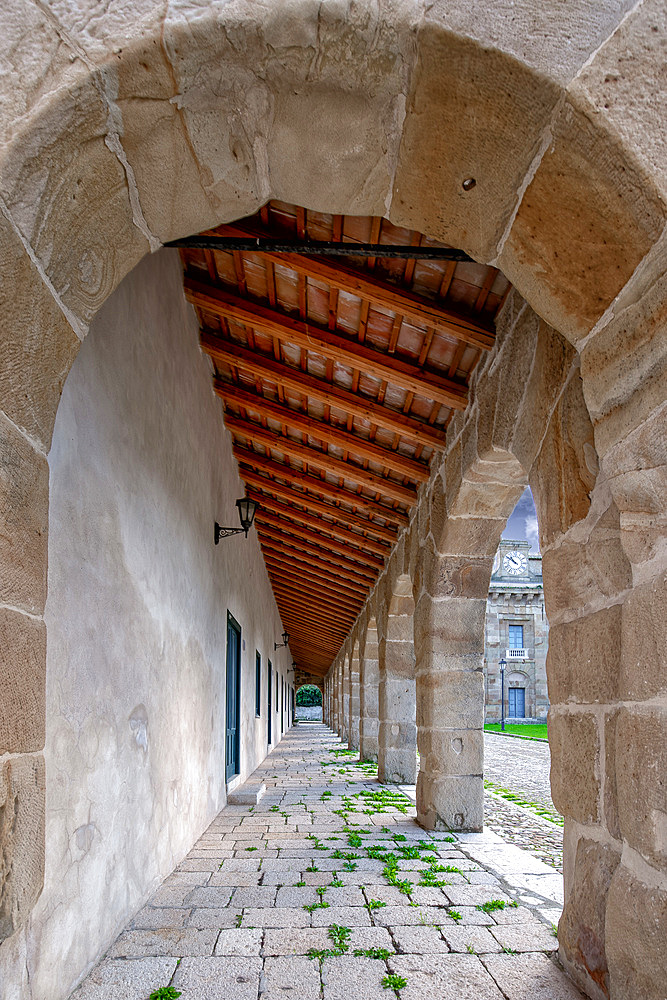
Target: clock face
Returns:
[515, 564]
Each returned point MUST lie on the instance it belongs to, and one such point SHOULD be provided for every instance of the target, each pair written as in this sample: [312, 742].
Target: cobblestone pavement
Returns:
[332, 864]
[521, 765]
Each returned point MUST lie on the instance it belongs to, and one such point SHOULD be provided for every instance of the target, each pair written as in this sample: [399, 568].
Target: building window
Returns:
[258, 685]
[515, 639]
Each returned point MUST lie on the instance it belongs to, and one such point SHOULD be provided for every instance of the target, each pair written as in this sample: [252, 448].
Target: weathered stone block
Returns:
[636, 931]
[64, 178]
[23, 685]
[450, 629]
[24, 512]
[575, 765]
[456, 576]
[578, 575]
[582, 268]
[457, 149]
[641, 777]
[553, 358]
[450, 803]
[22, 793]
[625, 368]
[450, 751]
[469, 536]
[610, 789]
[581, 931]
[643, 668]
[564, 473]
[451, 699]
[37, 346]
[583, 662]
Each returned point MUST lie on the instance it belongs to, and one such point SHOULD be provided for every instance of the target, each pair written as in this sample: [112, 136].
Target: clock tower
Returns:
[512, 562]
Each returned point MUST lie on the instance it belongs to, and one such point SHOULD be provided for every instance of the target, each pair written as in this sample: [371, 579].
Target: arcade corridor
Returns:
[330, 863]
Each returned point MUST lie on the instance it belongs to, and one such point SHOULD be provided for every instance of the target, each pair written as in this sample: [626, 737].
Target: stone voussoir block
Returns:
[641, 781]
[22, 825]
[23, 686]
[575, 764]
[24, 511]
[583, 658]
[636, 931]
[581, 931]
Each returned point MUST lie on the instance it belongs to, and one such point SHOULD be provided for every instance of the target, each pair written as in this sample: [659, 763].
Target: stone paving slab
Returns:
[129, 980]
[530, 977]
[218, 978]
[444, 977]
[243, 921]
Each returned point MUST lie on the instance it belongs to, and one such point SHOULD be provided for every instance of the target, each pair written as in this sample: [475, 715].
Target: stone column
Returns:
[353, 741]
[397, 735]
[449, 652]
[340, 725]
[335, 694]
[369, 722]
[345, 733]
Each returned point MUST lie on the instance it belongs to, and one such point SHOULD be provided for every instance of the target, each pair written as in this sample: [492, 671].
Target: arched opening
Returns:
[556, 172]
[369, 704]
[397, 734]
[309, 703]
[517, 629]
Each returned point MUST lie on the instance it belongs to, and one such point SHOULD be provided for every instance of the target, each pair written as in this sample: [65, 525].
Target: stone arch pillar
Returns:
[353, 736]
[339, 694]
[369, 695]
[397, 733]
[345, 693]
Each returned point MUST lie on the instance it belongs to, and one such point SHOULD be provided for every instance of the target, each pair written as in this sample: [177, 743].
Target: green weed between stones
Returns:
[381, 953]
[536, 807]
[455, 915]
[392, 981]
[339, 936]
[374, 904]
[494, 904]
[164, 993]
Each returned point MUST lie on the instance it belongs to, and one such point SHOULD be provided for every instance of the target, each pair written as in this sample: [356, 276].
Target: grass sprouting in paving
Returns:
[520, 800]
[530, 730]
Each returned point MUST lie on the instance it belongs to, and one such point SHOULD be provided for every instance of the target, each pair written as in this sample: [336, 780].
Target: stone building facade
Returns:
[517, 630]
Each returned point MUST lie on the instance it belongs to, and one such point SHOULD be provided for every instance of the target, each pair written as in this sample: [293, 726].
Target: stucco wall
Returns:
[140, 467]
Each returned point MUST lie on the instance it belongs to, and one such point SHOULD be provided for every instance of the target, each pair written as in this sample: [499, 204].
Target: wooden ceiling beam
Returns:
[277, 564]
[310, 336]
[306, 592]
[340, 617]
[337, 622]
[365, 285]
[257, 434]
[318, 486]
[283, 551]
[229, 353]
[326, 527]
[315, 598]
[303, 532]
[270, 487]
[350, 558]
[233, 393]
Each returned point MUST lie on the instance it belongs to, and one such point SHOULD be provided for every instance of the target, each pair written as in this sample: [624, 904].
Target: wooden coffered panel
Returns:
[338, 376]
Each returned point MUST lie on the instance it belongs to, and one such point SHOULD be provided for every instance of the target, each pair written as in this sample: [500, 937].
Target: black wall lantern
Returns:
[279, 645]
[247, 509]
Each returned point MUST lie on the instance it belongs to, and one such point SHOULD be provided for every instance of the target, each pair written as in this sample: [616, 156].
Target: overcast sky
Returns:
[522, 522]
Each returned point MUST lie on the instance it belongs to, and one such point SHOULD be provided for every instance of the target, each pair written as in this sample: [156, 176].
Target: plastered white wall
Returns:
[140, 467]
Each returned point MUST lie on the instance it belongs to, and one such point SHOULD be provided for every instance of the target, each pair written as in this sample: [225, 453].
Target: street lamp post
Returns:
[502, 663]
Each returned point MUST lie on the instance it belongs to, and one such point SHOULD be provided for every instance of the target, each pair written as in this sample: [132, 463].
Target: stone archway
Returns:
[566, 199]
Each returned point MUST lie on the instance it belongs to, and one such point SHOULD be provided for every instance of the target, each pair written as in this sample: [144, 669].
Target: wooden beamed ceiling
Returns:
[338, 377]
